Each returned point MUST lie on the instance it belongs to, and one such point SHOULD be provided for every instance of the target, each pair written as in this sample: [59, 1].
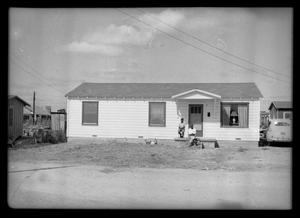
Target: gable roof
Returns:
[20, 99]
[206, 94]
[163, 90]
[281, 105]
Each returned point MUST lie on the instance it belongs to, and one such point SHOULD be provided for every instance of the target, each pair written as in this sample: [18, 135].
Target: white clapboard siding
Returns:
[214, 129]
[128, 118]
[121, 119]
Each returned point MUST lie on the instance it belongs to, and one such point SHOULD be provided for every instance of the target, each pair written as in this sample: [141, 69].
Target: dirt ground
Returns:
[123, 153]
[99, 173]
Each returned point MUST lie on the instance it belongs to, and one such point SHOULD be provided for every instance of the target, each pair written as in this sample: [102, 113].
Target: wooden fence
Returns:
[58, 121]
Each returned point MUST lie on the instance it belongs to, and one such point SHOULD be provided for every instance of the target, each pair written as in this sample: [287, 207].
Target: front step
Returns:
[182, 139]
[202, 139]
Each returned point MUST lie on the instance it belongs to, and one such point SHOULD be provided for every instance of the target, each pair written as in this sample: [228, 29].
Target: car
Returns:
[279, 130]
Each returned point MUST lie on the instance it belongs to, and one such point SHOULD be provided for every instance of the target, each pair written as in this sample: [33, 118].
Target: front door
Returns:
[196, 118]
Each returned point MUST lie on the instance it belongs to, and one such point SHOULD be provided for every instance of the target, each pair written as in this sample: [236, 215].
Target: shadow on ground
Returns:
[281, 144]
[229, 205]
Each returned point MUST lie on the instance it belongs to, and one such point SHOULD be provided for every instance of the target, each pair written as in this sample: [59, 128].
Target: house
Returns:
[224, 111]
[15, 116]
[43, 115]
[281, 110]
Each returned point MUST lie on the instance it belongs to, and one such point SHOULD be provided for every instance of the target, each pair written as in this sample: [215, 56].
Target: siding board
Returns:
[130, 119]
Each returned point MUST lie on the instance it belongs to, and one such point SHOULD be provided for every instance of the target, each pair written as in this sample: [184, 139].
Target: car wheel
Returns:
[260, 143]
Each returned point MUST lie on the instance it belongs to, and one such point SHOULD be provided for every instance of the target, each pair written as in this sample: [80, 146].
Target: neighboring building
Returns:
[264, 118]
[225, 111]
[43, 115]
[15, 116]
[281, 110]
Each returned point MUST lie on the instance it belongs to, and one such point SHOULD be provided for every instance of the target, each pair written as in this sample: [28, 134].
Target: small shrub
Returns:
[61, 136]
[53, 138]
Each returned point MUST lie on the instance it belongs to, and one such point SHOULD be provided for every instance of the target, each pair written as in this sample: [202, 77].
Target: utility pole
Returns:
[33, 107]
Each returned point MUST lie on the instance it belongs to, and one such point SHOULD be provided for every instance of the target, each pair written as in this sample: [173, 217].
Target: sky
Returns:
[51, 51]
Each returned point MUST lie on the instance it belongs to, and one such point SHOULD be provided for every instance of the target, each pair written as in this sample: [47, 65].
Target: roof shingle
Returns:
[281, 105]
[163, 90]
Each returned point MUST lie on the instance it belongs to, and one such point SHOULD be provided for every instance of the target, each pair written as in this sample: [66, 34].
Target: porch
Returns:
[199, 109]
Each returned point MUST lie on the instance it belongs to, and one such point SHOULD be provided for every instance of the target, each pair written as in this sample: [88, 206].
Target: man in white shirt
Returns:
[192, 134]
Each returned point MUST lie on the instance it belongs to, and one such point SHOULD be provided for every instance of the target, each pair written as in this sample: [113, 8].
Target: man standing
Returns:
[192, 134]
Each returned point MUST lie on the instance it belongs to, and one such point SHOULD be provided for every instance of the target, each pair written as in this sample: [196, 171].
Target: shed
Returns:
[281, 110]
[15, 116]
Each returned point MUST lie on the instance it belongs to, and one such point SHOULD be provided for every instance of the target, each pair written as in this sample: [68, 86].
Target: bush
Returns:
[56, 136]
[61, 137]
[50, 136]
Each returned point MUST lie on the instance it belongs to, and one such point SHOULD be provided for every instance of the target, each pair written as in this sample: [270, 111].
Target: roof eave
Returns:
[196, 90]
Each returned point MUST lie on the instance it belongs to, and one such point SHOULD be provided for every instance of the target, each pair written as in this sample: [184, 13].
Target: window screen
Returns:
[157, 113]
[90, 113]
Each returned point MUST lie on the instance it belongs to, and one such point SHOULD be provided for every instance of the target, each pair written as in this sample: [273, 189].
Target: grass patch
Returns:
[114, 154]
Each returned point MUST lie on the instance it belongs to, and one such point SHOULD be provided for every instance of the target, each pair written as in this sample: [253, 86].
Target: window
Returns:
[195, 109]
[25, 117]
[90, 113]
[280, 114]
[288, 115]
[234, 115]
[10, 117]
[157, 114]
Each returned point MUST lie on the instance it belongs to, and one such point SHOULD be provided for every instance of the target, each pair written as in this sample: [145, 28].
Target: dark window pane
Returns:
[225, 114]
[90, 113]
[157, 113]
[288, 116]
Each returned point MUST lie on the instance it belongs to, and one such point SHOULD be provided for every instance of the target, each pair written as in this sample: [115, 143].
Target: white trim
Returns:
[196, 90]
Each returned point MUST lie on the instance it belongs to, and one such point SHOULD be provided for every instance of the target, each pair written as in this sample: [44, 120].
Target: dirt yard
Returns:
[122, 153]
[98, 173]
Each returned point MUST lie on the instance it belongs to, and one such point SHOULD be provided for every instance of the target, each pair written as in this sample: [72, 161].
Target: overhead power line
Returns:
[190, 44]
[36, 72]
[36, 76]
[212, 46]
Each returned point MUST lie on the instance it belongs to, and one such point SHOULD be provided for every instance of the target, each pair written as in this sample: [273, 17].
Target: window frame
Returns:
[149, 114]
[280, 114]
[230, 103]
[82, 115]
[290, 115]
